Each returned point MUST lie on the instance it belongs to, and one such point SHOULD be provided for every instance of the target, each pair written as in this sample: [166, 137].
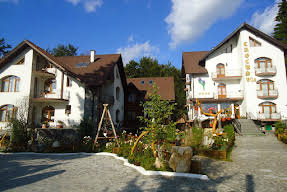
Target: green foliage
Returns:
[280, 127]
[197, 136]
[157, 120]
[18, 132]
[280, 30]
[149, 67]
[63, 50]
[224, 141]
[4, 47]
[85, 128]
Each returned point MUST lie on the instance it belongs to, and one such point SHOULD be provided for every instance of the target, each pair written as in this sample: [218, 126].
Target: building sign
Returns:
[202, 88]
[247, 64]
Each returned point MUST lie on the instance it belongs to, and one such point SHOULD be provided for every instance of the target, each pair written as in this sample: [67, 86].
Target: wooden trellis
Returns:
[107, 117]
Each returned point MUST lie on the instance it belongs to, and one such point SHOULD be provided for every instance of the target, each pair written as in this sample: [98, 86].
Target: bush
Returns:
[18, 133]
[86, 128]
[280, 127]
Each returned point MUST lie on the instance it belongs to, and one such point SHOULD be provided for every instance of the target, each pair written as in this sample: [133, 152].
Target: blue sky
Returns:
[159, 28]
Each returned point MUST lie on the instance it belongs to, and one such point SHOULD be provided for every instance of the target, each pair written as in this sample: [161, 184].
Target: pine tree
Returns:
[280, 30]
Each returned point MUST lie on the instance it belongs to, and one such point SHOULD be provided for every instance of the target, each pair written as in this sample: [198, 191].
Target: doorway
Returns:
[237, 111]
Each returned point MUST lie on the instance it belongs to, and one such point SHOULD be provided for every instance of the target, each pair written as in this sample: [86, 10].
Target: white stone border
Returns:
[126, 163]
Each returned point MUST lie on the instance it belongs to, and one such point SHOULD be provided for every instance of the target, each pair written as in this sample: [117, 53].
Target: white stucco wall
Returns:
[23, 71]
[235, 63]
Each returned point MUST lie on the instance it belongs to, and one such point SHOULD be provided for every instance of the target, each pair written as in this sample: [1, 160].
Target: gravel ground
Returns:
[259, 164]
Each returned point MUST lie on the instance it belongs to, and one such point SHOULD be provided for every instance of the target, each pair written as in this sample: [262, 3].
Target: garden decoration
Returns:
[108, 119]
[3, 138]
[213, 115]
[139, 138]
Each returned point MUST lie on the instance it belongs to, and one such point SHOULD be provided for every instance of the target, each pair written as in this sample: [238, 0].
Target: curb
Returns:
[126, 163]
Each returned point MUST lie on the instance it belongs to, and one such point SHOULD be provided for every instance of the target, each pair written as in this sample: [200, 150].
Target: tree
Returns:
[63, 50]
[159, 128]
[4, 47]
[280, 30]
[149, 67]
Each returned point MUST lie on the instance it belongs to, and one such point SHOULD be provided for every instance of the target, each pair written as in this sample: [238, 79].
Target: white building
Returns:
[66, 89]
[246, 70]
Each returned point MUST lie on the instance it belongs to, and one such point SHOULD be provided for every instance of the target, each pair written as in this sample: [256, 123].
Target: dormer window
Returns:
[21, 61]
[254, 43]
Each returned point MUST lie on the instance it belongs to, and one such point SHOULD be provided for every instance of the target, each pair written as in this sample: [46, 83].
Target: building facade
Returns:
[245, 73]
[138, 92]
[44, 88]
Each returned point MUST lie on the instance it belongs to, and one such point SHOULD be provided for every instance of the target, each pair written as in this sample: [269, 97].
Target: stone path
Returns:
[259, 164]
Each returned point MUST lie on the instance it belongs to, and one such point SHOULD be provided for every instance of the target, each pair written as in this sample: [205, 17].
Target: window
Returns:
[220, 70]
[265, 85]
[142, 82]
[48, 113]
[254, 43]
[10, 84]
[267, 108]
[228, 49]
[117, 93]
[150, 82]
[117, 116]
[221, 90]
[68, 109]
[131, 115]
[69, 82]
[263, 63]
[50, 86]
[21, 61]
[7, 112]
[132, 98]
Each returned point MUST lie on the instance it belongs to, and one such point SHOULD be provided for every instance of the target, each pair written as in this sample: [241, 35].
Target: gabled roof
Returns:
[254, 31]
[165, 86]
[190, 62]
[95, 74]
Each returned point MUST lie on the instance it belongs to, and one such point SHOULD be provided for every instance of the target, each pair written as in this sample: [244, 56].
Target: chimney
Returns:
[92, 58]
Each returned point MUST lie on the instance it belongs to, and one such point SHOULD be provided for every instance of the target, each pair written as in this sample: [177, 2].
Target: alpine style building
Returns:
[60, 89]
[245, 72]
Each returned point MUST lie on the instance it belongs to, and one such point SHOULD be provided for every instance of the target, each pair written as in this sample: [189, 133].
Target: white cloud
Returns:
[189, 19]
[265, 21]
[137, 50]
[89, 5]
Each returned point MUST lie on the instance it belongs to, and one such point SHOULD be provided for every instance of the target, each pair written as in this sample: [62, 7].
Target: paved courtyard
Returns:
[259, 164]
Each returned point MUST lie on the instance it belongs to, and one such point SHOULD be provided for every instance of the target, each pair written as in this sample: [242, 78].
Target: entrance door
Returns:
[237, 111]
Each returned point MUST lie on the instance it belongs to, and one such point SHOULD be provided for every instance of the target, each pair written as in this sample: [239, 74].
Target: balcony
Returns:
[271, 94]
[229, 75]
[268, 116]
[52, 97]
[230, 95]
[270, 71]
[47, 72]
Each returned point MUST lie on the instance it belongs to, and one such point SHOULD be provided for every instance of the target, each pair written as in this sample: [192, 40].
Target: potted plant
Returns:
[45, 124]
[60, 124]
[223, 119]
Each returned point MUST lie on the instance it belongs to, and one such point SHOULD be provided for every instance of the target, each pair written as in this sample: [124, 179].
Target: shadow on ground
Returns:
[15, 173]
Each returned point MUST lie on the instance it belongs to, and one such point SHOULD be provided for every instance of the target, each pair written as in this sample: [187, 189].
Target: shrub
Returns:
[86, 127]
[18, 133]
[280, 127]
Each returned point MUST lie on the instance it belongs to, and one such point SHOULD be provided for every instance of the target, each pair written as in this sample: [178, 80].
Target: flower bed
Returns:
[281, 131]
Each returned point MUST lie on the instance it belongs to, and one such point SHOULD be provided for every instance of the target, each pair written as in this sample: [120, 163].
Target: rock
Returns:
[157, 163]
[56, 144]
[180, 159]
